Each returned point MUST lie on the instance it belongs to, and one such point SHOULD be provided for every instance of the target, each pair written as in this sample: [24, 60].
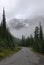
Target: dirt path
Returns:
[24, 57]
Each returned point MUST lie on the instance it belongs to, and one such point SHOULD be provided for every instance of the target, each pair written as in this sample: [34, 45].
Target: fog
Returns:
[22, 9]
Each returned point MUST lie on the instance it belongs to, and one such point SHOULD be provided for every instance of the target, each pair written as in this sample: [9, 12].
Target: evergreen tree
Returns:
[36, 33]
[23, 41]
[3, 24]
[41, 32]
[6, 39]
[27, 41]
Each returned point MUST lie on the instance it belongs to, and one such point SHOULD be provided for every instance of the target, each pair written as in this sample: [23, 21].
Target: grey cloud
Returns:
[18, 29]
[19, 26]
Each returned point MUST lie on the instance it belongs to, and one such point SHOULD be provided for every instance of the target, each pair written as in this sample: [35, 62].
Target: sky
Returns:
[21, 9]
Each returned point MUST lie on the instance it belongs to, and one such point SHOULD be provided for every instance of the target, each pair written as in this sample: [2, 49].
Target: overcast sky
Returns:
[22, 8]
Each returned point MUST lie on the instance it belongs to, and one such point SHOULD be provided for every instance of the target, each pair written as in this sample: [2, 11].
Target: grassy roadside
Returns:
[7, 52]
[38, 53]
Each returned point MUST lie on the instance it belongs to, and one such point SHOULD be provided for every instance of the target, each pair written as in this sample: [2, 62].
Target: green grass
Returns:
[37, 52]
[7, 52]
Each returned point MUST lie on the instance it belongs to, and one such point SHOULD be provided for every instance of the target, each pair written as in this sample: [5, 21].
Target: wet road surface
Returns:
[24, 57]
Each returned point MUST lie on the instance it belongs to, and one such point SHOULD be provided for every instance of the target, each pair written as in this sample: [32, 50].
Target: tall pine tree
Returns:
[41, 32]
[36, 33]
[3, 24]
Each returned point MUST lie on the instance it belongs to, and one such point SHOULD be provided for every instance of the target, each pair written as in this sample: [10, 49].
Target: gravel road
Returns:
[24, 57]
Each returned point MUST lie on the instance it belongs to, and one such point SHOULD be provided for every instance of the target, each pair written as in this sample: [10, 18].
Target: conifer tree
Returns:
[3, 24]
[41, 32]
[36, 33]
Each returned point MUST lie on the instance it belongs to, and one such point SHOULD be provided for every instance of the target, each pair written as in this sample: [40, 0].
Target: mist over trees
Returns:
[8, 41]
[36, 42]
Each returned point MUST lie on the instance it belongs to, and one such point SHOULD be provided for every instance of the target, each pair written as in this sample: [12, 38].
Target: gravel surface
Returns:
[24, 57]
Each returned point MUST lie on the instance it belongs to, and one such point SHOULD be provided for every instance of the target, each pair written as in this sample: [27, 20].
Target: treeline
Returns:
[6, 39]
[36, 42]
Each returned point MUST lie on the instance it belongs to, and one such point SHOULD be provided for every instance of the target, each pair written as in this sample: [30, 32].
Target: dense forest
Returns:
[7, 41]
[36, 42]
